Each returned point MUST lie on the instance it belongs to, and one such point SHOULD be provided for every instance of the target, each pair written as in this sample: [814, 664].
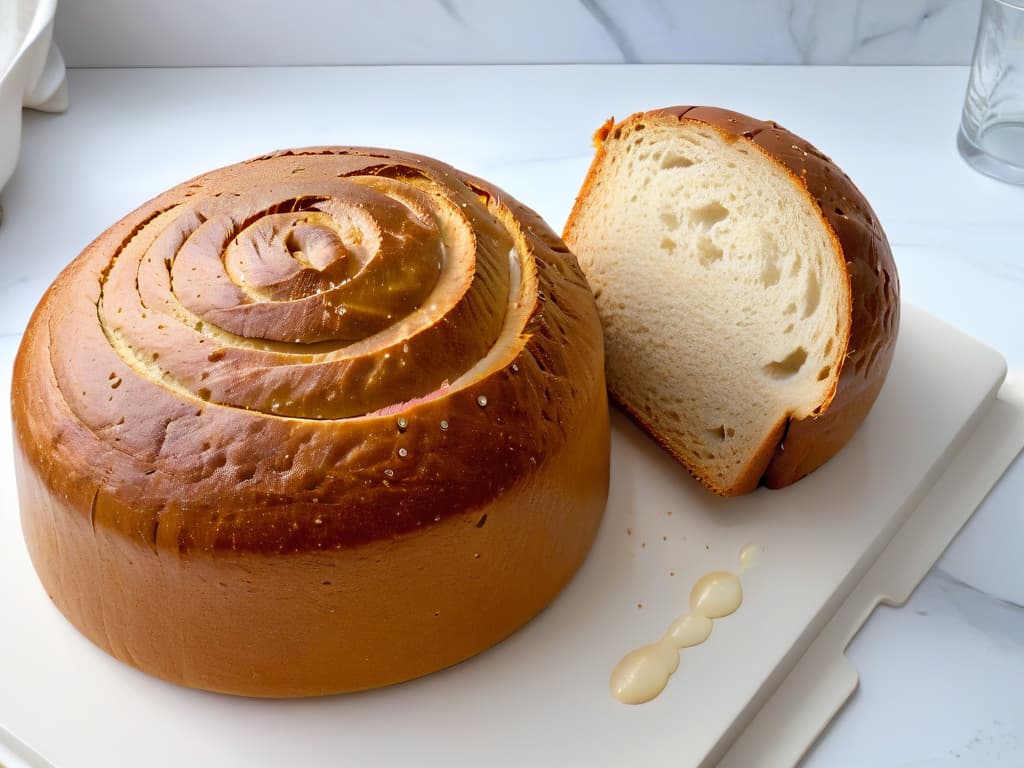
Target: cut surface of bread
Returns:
[723, 292]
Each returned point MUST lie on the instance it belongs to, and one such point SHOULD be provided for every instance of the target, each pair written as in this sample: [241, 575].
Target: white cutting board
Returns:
[541, 697]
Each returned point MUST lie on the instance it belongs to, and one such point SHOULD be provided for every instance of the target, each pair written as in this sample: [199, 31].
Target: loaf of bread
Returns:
[318, 422]
[748, 294]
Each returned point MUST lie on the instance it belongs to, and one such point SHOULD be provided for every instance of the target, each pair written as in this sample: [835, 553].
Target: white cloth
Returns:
[31, 72]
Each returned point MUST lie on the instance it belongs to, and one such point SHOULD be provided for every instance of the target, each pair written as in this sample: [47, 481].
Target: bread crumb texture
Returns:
[723, 289]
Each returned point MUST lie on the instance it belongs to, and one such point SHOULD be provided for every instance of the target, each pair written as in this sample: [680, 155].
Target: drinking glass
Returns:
[991, 136]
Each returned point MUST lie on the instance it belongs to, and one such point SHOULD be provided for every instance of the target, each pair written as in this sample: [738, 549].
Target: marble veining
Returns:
[996, 617]
[449, 7]
[148, 33]
[790, 31]
[942, 671]
[615, 31]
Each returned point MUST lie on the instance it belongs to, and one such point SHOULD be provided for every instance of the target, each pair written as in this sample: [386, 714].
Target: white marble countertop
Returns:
[941, 678]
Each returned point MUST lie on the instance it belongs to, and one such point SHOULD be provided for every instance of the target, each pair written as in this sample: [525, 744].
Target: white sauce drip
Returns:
[643, 673]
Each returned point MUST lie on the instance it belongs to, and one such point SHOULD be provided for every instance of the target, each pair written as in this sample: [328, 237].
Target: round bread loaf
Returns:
[749, 297]
[322, 421]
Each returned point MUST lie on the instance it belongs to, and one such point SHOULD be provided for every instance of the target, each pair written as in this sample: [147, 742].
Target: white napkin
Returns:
[31, 72]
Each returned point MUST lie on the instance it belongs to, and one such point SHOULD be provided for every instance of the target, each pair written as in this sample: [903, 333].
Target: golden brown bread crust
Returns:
[800, 446]
[253, 457]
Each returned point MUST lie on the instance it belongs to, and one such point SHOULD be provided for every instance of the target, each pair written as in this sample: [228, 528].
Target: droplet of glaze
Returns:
[716, 595]
[643, 674]
[749, 556]
[444, 425]
[689, 630]
[318, 520]
[403, 423]
[389, 472]
[402, 452]
[482, 401]
[515, 368]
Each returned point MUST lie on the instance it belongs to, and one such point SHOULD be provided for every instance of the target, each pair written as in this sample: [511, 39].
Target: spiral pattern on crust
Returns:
[307, 350]
[320, 296]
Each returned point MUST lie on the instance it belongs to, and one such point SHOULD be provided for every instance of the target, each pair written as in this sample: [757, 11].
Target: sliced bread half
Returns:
[748, 294]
